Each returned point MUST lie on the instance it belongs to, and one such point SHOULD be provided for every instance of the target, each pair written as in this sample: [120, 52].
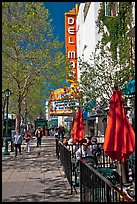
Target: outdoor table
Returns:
[91, 160]
[110, 174]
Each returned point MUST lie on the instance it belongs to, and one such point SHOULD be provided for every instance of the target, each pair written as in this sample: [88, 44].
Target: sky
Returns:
[57, 11]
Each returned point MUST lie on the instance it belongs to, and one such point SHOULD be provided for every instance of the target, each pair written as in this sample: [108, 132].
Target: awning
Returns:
[90, 111]
[87, 108]
[130, 87]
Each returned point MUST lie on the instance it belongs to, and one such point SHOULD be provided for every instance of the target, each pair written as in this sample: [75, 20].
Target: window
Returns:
[107, 9]
[111, 9]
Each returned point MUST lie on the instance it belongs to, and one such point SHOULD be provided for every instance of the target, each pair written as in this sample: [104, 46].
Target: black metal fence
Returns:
[65, 159]
[105, 161]
[96, 188]
[57, 148]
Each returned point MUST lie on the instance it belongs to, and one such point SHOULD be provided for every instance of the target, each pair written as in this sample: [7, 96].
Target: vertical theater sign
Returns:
[70, 39]
[61, 101]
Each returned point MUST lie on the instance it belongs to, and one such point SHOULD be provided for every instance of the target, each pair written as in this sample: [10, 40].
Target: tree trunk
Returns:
[3, 114]
[19, 113]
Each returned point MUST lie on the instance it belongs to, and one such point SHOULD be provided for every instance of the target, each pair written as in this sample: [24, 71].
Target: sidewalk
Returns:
[35, 178]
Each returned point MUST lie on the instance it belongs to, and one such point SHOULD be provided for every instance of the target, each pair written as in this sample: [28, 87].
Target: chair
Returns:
[131, 165]
[91, 160]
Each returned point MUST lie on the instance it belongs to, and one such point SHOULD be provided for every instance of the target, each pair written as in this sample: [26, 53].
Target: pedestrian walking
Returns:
[61, 132]
[28, 137]
[56, 134]
[39, 134]
[17, 142]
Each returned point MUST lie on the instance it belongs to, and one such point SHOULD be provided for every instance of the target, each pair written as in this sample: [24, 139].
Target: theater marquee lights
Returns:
[60, 106]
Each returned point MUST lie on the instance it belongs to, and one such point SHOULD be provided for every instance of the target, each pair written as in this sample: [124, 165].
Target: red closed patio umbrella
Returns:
[78, 127]
[119, 141]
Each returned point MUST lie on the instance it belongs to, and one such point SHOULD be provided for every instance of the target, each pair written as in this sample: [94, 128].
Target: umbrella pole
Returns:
[121, 182]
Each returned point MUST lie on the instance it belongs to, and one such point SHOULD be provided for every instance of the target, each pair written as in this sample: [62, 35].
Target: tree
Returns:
[30, 53]
[113, 59]
[97, 78]
[114, 32]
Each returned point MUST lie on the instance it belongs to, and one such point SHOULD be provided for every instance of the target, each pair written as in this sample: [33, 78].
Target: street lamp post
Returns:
[7, 94]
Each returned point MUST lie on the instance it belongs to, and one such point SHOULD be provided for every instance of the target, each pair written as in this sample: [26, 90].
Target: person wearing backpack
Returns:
[39, 134]
[17, 139]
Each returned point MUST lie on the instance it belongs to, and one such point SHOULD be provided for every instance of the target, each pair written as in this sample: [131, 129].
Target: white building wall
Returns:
[133, 12]
[87, 36]
[60, 120]
[80, 34]
[87, 32]
[96, 9]
[47, 110]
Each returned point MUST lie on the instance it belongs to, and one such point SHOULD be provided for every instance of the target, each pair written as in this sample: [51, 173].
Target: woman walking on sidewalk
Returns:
[28, 137]
[17, 142]
[39, 134]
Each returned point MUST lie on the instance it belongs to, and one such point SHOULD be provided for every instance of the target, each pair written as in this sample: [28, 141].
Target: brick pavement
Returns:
[35, 178]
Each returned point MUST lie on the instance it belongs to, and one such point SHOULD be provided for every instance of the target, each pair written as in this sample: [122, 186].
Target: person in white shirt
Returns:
[83, 151]
[71, 146]
[17, 142]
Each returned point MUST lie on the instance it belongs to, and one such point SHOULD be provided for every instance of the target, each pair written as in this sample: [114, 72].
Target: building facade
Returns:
[87, 31]
[87, 38]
